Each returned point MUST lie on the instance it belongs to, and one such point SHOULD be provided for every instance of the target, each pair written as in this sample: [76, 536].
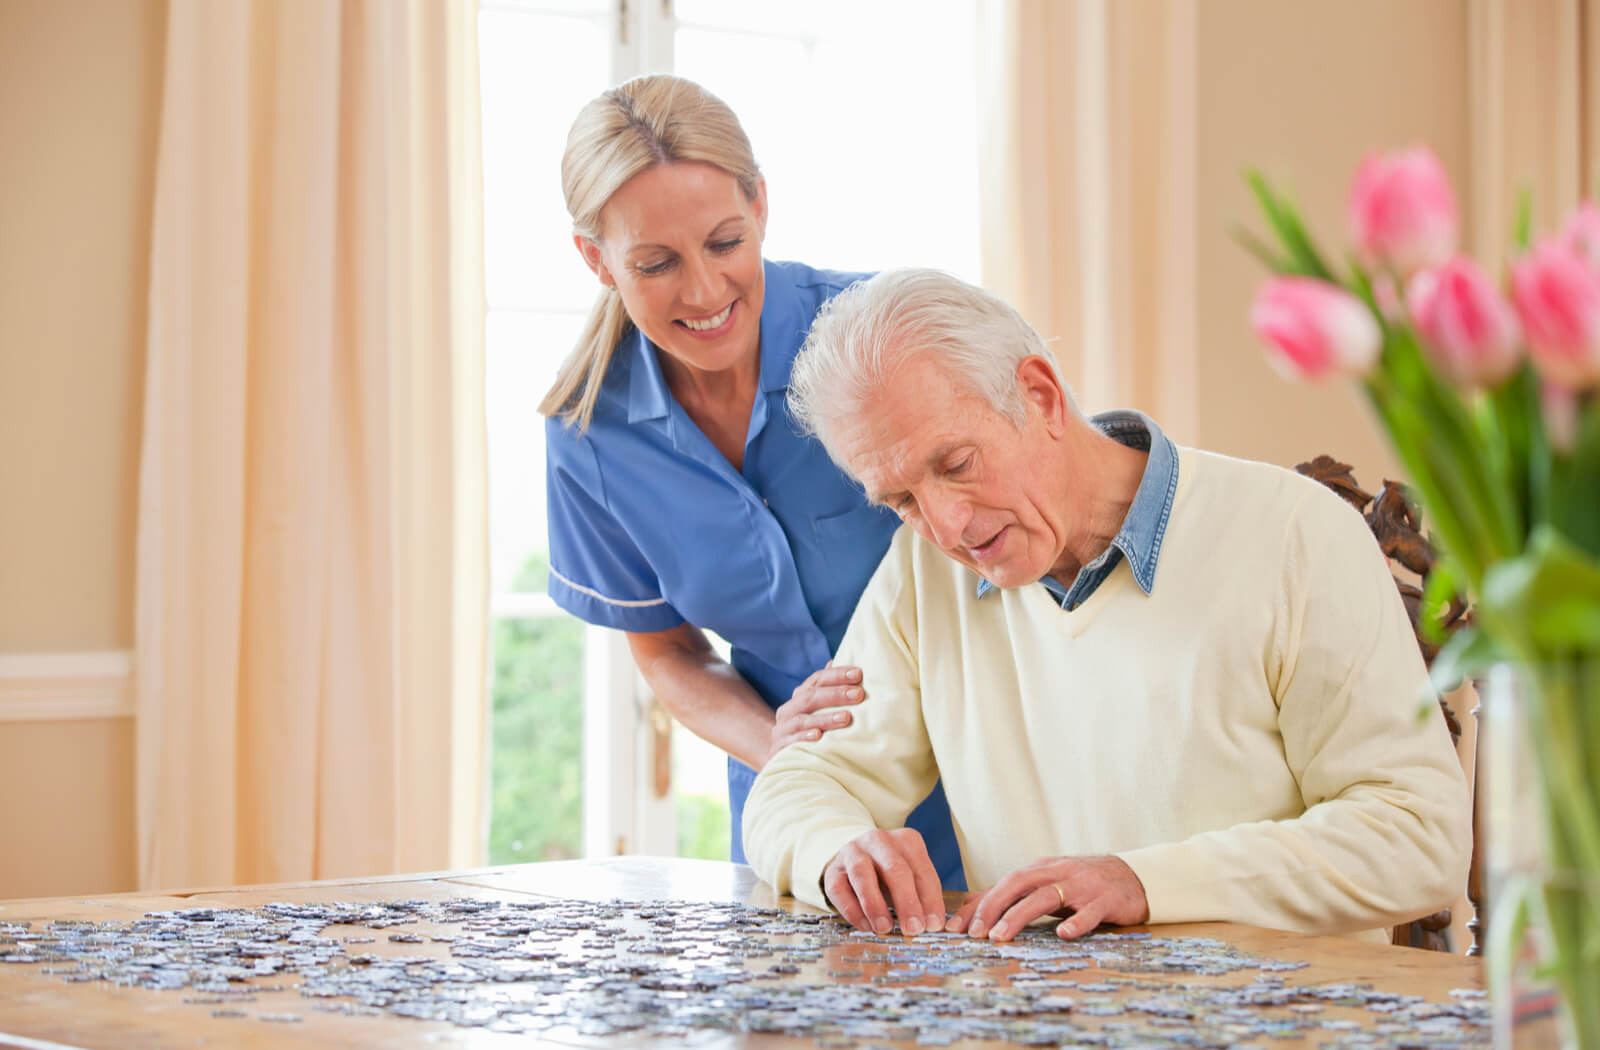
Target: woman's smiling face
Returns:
[681, 243]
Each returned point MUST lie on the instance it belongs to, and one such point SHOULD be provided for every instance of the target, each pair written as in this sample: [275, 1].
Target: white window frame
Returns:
[621, 812]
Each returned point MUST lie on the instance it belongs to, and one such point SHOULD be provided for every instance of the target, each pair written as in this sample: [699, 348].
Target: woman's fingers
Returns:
[828, 687]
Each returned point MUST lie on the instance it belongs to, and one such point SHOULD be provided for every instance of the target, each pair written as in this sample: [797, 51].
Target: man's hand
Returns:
[813, 708]
[886, 863]
[1088, 890]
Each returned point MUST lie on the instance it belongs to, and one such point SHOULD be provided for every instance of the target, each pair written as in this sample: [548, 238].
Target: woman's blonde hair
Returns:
[647, 121]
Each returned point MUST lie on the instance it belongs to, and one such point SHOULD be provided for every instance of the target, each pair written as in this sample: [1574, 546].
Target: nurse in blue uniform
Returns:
[681, 497]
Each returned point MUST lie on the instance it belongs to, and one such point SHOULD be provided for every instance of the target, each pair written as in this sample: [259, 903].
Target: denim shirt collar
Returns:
[1139, 539]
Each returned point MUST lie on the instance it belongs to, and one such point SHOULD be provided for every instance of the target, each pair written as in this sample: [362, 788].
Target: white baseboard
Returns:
[50, 687]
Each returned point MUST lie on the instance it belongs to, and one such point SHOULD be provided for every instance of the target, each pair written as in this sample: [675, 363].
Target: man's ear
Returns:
[592, 258]
[1042, 391]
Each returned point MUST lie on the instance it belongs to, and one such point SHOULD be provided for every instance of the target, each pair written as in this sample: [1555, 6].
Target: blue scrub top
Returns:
[651, 526]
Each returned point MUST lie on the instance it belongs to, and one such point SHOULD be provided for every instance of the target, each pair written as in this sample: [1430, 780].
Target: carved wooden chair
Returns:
[1397, 525]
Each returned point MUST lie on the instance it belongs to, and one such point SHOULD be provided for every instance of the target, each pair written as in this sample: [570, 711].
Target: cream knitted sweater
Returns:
[1247, 737]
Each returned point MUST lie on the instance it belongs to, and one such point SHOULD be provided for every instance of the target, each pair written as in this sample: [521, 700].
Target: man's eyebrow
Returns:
[932, 462]
[942, 453]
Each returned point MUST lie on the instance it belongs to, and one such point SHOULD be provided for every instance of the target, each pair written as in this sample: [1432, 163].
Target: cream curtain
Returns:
[311, 596]
[1535, 89]
[1107, 195]
[1088, 191]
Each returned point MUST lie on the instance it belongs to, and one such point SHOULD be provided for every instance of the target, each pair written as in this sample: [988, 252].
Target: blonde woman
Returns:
[682, 498]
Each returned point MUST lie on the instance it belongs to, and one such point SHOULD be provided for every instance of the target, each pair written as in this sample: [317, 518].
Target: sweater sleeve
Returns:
[813, 798]
[1386, 833]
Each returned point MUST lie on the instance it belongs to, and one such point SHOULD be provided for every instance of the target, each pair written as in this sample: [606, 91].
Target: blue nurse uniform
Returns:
[651, 526]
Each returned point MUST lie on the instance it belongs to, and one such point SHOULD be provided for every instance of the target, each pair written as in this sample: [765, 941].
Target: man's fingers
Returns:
[963, 915]
[999, 899]
[865, 877]
[1082, 921]
[1042, 901]
[914, 885]
[836, 884]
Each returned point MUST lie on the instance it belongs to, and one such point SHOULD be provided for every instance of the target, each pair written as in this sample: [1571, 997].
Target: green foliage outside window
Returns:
[538, 734]
[537, 793]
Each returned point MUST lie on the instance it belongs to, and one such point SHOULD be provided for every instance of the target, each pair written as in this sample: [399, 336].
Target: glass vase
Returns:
[1541, 778]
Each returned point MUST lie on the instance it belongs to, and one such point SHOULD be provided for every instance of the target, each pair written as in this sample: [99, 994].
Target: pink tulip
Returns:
[1470, 330]
[1314, 329]
[1402, 210]
[1557, 295]
[1581, 235]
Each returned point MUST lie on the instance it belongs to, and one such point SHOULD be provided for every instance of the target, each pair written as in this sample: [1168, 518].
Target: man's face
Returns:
[986, 492]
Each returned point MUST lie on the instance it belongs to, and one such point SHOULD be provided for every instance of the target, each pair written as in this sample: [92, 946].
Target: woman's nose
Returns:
[701, 285]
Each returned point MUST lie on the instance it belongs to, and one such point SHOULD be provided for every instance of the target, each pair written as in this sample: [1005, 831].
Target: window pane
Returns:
[524, 352]
[538, 738]
[700, 796]
[537, 71]
[870, 154]
[792, 18]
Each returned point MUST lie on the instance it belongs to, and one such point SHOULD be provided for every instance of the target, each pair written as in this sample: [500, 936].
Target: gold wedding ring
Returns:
[1061, 896]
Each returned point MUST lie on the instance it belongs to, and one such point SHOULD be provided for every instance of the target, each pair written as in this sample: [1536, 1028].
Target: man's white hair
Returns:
[867, 331]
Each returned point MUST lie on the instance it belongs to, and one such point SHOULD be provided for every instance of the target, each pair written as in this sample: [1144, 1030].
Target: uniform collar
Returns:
[1145, 526]
[782, 316]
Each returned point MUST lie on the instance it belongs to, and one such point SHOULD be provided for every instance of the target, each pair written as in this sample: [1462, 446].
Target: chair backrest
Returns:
[1396, 523]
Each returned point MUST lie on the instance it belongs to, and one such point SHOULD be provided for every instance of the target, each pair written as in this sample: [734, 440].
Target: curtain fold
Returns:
[1088, 191]
[1535, 115]
[311, 581]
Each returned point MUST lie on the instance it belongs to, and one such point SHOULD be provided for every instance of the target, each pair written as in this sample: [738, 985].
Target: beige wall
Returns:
[1302, 90]
[80, 84]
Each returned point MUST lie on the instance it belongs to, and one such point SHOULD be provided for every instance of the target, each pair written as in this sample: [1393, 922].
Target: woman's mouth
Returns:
[712, 325]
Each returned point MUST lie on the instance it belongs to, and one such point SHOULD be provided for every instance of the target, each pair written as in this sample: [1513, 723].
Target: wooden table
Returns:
[40, 1010]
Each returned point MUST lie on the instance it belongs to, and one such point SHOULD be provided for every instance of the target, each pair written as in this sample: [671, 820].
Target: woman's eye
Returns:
[652, 269]
[724, 247]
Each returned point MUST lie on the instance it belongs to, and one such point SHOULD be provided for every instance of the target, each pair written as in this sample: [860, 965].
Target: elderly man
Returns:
[1160, 685]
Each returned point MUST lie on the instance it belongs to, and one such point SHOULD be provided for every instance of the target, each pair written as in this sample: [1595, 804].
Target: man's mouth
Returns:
[988, 546]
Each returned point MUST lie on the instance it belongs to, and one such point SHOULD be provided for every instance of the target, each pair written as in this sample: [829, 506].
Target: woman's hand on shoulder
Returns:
[816, 706]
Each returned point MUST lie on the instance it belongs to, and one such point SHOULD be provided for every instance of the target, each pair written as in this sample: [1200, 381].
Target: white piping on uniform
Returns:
[581, 589]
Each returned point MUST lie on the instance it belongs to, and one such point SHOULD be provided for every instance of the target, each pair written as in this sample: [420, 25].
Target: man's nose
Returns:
[947, 519]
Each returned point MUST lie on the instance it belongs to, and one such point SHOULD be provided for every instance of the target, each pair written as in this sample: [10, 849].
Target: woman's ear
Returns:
[759, 206]
[590, 250]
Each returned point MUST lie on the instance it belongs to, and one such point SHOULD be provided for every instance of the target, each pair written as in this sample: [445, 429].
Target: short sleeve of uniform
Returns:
[596, 570]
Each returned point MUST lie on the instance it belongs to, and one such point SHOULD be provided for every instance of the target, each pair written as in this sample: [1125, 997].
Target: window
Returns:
[863, 117]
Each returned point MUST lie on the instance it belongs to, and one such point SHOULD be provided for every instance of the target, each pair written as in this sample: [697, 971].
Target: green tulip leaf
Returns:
[1438, 593]
[1285, 222]
[1261, 250]
[1547, 598]
[1522, 231]
[1468, 653]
